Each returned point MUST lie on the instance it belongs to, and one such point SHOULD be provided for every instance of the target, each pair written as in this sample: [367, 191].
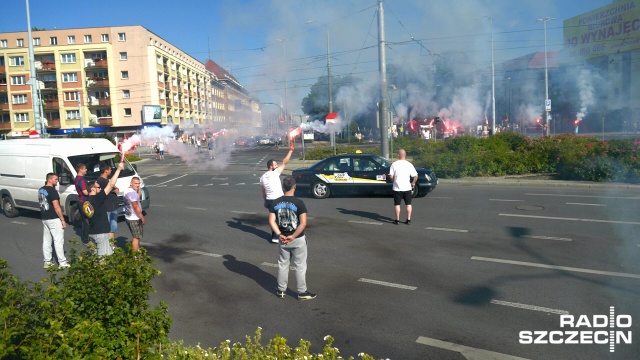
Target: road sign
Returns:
[547, 105]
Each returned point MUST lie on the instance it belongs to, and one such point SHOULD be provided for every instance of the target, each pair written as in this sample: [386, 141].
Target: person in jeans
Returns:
[288, 219]
[82, 188]
[53, 223]
[112, 203]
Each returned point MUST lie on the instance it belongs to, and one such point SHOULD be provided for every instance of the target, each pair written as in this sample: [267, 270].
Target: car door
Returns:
[337, 172]
[369, 176]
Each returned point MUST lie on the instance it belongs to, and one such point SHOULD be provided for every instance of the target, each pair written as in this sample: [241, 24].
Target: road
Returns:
[478, 265]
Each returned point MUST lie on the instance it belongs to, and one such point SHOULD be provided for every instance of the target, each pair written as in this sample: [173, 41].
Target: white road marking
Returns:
[194, 208]
[169, 180]
[565, 268]
[208, 184]
[161, 185]
[19, 222]
[203, 253]
[193, 185]
[177, 185]
[587, 196]
[240, 184]
[364, 222]
[545, 237]
[503, 200]
[156, 205]
[446, 229]
[440, 197]
[224, 184]
[584, 204]
[572, 219]
[256, 183]
[276, 265]
[529, 307]
[217, 178]
[154, 175]
[466, 351]
[244, 212]
[384, 283]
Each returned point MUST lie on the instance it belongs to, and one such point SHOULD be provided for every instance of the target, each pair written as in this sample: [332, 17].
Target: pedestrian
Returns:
[210, 146]
[288, 217]
[199, 145]
[94, 209]
[83, 191]
[53, 223]
[156, 150]
[133, 212]
[112, 203]
[161, 150]
[404, 177]
[270, 182]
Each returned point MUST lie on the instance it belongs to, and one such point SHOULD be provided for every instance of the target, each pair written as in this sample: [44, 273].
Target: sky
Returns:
[278, 48]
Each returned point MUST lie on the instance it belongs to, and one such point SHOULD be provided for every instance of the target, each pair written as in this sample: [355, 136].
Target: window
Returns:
[73, 114]
[160, 77]
[103, 113]
[52, 115]
[71, 96]
[159, 60]
[68, 58]
[21, 117]
[36, 41]
[71, 39]
[87, 39]
[20, 43]
[124, 75]
[126, 94]
[53, 40]
[3, 43]
[104, 37]
[48, 78]
[19, 99]
[122, 37]
[16, 61]
[127, 111]
[123, 56]
[18, 80]
[70, 77]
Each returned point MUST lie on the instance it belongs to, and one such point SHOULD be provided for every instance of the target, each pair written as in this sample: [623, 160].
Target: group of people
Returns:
[288, 216]
[98, 204]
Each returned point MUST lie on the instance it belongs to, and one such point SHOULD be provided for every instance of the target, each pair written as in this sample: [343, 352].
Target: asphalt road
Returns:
[478, 265]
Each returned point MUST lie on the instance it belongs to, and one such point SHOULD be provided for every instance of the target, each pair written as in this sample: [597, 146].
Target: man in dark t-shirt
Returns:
[94, 209]
[112, 202]
[288, 219]
[52, 222]
[82, 188]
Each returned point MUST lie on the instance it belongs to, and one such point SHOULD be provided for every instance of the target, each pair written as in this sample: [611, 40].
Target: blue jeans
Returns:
[298, 250]
[113, 220]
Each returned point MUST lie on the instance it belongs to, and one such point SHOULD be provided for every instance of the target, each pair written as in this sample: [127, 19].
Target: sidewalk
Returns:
[512, 180]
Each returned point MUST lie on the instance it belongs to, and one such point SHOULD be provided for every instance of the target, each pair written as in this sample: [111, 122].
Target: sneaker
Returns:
[48, 264]
[63, 265]
[408, 222]
[275, 240]
[306, 296]
[396, 222]
[281, 294]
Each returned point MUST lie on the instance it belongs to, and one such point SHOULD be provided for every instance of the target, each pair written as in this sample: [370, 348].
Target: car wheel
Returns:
[414, 191]
[320, 190]
[9, 210]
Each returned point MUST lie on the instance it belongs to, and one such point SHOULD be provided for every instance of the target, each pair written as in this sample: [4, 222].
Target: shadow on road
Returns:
[250, 225]
[365, 214]
[261, 277]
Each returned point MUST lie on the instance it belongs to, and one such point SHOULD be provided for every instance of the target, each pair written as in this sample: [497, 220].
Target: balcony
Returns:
[3, 69]
[3, 87]
[53, 124]
[95, 63]
[105, 121]
[98, 82]
[50, 85]
[99, 102]
[5, 126]
[47, 66]
[4, 106]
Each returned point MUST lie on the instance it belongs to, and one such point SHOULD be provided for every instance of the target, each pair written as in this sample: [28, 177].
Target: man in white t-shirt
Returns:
[133, 212]
[271, 185]
[404, 177]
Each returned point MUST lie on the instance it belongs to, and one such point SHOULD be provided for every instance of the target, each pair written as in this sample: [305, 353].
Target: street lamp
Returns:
[547, 101]
[333, 135]
[284, 44]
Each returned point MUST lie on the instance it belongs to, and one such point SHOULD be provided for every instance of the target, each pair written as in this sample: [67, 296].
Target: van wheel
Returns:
[74, 215]
[9, 210]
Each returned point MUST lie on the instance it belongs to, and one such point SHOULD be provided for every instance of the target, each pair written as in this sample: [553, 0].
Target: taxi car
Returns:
[355, 174]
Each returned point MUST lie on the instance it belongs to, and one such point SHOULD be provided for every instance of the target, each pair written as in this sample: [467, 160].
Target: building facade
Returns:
[105, 79]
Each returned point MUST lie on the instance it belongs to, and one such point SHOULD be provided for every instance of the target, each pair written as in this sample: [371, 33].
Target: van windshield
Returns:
[92, 161]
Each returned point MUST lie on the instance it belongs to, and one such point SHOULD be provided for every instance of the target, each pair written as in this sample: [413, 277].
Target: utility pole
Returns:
[80, 111]
[35, 100]
[493, 84]
[382, 109]
[547, 101]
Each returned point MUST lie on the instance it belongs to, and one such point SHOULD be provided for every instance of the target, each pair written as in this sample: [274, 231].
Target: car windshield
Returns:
[92, 161]
[384, 162]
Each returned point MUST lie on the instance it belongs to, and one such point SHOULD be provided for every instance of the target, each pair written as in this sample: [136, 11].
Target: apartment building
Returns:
[105, 79]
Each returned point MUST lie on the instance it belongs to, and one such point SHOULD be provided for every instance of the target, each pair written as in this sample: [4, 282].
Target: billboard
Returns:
[151, 114]
[605, 31]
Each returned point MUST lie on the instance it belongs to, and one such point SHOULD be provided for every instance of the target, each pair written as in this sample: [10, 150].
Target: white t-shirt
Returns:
[130, 196]
[402, 171]
[270, 181]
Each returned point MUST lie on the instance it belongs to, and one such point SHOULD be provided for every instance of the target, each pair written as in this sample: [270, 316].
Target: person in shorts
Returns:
[404, 177]
[133, 212]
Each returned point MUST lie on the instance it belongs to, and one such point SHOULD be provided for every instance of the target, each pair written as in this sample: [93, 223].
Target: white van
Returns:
[24, 164]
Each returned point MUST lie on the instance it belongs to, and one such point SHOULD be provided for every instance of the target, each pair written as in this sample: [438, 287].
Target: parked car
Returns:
[356, 174]
[242, 141]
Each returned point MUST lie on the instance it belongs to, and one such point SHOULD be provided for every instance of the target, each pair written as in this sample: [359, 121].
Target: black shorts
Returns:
[398, 196]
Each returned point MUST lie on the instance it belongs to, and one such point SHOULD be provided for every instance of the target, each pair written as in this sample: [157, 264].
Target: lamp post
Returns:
[546, 71]
[284, 45]
[333, 135]
[33, 81]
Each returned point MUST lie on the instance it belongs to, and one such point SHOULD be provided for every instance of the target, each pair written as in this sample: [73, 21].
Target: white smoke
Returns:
[586, 91]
